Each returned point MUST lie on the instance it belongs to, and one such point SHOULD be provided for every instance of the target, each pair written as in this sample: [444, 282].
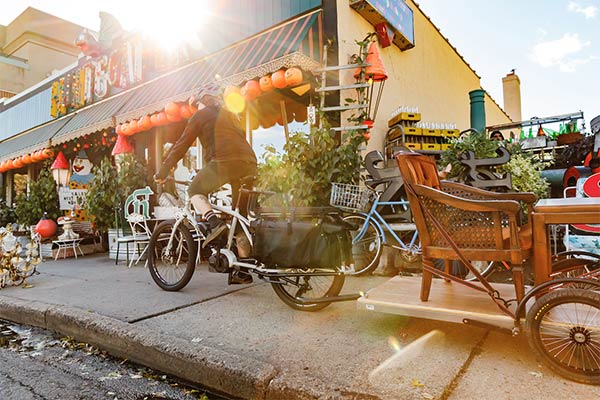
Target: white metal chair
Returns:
[141, 236]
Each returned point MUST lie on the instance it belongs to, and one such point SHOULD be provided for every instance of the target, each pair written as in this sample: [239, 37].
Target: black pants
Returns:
[217, 173]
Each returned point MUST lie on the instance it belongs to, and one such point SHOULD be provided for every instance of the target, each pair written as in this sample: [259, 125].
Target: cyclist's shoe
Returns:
[239, 277]
[215, 232]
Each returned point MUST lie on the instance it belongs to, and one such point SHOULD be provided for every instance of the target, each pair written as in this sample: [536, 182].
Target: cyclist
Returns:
[226, 158]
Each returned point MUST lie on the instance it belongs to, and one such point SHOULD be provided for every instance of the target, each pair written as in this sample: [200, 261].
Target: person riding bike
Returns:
[226, 158]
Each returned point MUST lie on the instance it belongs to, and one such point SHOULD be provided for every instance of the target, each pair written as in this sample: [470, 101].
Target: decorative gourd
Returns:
[46, 227]
[265, 83]
[251, 90]
[278, 79]
[293, 76]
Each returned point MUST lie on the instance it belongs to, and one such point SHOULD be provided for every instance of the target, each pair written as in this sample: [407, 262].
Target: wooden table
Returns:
[546, 212]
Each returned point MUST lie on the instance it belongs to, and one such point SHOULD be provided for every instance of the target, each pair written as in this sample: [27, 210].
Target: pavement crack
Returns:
[475, 351]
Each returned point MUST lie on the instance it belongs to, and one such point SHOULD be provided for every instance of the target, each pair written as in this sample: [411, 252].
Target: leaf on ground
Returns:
[196, 340]
[536, 374]
[417, 383]
[427, 396]
[27, 286]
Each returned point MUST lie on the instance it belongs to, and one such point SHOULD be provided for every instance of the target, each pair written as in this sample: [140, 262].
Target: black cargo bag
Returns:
[289, 241]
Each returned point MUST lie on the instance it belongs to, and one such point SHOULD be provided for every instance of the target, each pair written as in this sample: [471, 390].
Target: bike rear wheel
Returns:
[366, 244]
[171, 269]
[298, 291]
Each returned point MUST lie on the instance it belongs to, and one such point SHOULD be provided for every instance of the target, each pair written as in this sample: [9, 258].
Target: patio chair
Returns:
[141, 236]
[459, 222]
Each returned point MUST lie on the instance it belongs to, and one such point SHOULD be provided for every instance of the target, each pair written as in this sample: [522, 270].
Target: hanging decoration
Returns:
[122, 146]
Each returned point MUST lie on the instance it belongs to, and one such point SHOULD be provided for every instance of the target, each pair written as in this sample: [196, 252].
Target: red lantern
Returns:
[293, 77]
[46, 227]
[251, 90]
[172, 109]
[265, 83]
[184, 111]
[278, 79]
[145, 123]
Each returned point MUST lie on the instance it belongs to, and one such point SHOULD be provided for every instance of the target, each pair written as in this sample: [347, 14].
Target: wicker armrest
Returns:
[462, 190]
[508, 206]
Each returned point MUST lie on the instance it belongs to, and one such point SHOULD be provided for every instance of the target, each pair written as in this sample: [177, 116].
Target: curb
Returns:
[212, 368]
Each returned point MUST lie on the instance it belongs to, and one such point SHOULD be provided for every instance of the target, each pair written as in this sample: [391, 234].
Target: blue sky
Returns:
[554, 45]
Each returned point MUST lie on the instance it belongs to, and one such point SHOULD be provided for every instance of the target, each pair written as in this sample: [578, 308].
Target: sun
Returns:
[168, 27]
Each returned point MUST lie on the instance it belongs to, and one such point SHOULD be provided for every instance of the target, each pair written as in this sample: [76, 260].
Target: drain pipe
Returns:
[478, 110]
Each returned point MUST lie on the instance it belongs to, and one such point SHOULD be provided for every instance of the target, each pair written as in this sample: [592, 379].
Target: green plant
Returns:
[7, 214]
[102, 196]
[42, 197]
[310, 163]
[131, 175]
[526, 174]
[475, 142]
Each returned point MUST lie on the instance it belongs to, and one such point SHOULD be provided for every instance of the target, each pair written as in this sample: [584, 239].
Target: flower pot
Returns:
[568, 138]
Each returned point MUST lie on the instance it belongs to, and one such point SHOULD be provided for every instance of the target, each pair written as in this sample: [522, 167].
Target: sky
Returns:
[553, 45]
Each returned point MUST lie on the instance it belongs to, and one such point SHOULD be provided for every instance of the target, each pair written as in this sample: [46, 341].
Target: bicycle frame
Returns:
[382, 225]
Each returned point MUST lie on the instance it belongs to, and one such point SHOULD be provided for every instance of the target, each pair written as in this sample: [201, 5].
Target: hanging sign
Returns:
[395, 13]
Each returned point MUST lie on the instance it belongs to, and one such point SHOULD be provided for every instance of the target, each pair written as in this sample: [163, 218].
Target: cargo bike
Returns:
[560, 313]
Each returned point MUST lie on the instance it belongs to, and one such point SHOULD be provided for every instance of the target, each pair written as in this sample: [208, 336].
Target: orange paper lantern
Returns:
[184, 111]
[118, 129]
[133, 127]
[251, 90]
[145, 123]
[26, 159]
[172, 109]
[16, 163]
[154, 119]
[161, 118]
[278, 79]
[47, 153]
[174, 117]
[293, 77]
[266, 85]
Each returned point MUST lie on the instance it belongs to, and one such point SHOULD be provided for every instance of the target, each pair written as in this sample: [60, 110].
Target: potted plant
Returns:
[42, 198]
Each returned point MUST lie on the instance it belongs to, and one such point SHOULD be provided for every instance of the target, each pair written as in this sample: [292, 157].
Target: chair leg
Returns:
[426, 280]
[517, 273]
[117, 256]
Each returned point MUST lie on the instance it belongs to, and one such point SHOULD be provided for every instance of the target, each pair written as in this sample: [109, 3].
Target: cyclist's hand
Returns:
[159, 180]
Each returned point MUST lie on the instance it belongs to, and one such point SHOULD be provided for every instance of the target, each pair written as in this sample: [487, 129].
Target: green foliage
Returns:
[476, 142]
[7, 214]
[102, 196]
[310, 163]
[526, 174]
[43, 197]
[131, 176]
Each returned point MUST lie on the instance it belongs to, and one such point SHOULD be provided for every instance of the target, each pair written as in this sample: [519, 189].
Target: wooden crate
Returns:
[431, 146]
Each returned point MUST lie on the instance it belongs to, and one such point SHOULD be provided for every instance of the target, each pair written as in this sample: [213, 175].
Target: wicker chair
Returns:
[482, 225]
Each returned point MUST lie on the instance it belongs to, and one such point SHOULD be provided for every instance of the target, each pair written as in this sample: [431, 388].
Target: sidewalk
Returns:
[244, 342]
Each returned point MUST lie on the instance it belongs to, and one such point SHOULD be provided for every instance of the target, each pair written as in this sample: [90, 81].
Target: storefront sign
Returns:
[71, 199]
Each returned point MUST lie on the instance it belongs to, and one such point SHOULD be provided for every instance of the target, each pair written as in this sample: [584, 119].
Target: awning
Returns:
[32, 140]
[295, 43]
[95, 117]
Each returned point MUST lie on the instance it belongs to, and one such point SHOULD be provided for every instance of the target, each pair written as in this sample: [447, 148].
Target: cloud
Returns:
[560, 52]
[589, 11]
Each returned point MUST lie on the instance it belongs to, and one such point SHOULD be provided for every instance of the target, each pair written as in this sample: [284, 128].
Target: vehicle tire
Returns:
[171, 270]
[366, 250]
[485, 268]
[296, 291]
[564, 331]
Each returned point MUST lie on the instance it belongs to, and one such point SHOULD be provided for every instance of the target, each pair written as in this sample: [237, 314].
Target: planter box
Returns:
[568, 138]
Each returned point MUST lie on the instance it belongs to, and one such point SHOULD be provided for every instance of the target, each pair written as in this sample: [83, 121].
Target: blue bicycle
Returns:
[363, 204]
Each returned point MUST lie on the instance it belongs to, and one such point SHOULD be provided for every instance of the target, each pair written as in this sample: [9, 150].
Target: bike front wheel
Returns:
[171, 267]
[366, 244]
[298, 291]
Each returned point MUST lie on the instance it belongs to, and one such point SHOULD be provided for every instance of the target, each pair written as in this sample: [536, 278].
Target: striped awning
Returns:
[32, 140]
[295, 43]
[95, 117]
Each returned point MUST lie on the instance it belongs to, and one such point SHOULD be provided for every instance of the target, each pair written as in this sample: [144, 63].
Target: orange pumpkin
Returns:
[293, 76]
[266, 85]
[278, 79]
[184, 111]
[172, 109]
[251, 90]
[145, 123]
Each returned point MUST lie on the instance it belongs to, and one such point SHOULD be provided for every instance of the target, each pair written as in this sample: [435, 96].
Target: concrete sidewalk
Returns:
[244, 342]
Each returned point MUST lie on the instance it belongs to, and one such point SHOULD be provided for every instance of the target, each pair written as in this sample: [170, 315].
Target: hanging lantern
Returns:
[60, 170]
[16, 163]
[192, 107]
[133, 127]
[122, 146]
[26, 159]
[161, 119]
[153, 119]
[46, 227]
[174, 117]
[266, 85]
[251, 90]
[376, 76]
[125, 129]
[145, 123]
[118, 129]
[293, 77]
[278, 79]
[184, 111]
[172, 109]
[47, 153]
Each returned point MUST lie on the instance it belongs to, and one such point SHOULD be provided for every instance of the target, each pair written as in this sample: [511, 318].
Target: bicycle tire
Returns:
[568, 346]
[332, 285]
[485, 268]
[180, 263]
[366, 251]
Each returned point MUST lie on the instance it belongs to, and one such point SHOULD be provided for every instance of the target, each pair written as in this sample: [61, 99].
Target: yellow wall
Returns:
[431, 75]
